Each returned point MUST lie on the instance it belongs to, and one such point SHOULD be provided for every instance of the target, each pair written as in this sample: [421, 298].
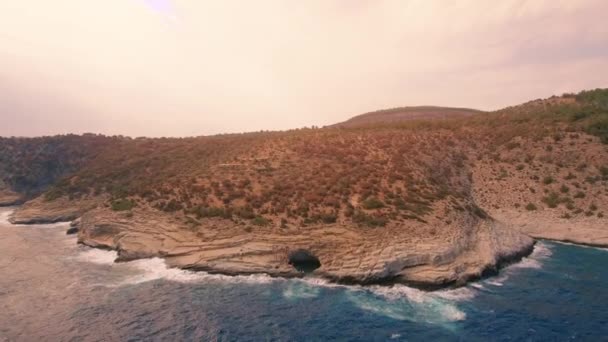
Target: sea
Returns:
[52, 289]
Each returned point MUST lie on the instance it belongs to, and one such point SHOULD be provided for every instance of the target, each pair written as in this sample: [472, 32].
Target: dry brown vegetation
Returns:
[541, 155]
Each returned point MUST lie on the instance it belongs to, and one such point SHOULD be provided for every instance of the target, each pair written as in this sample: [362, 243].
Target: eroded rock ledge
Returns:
[40, 211]
[9, 198]
[346, 254]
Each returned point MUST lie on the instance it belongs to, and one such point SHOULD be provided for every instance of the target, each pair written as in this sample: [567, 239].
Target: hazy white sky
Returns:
[193, 67]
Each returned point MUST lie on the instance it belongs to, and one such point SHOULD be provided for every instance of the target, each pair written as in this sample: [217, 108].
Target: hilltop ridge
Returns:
[401, 114]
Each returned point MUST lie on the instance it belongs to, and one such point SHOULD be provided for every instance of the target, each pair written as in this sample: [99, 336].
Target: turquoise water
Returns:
[559, 293]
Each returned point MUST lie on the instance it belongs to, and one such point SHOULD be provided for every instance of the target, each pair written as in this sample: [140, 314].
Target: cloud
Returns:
[232, 66]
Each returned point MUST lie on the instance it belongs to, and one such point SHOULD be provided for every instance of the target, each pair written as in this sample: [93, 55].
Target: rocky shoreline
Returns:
[347, 255]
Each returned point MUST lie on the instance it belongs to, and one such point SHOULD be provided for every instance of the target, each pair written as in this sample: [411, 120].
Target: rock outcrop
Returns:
[39, 210]
[590, 231]
[8, 198]
[345, 254]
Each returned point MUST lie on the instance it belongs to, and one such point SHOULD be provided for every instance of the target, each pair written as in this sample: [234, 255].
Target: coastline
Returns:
[425, 272]
[127, 252]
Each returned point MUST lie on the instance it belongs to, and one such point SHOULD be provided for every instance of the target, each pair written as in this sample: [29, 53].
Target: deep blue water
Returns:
[559, 293]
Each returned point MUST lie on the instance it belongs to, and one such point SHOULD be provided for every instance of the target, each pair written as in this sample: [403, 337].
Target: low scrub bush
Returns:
[122, 204]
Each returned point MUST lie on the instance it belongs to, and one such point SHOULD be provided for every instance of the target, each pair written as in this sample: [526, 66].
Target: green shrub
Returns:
[122, 204]
[372, 203]
[552, 200]
[513, 145]
[245, 213]
[369, 220]
[172, 206]
[531, 207]
[579, 194]
[329, 218]
[260, 221]
[548, 180]
[604, 172]
[53, 194]
[591, 180]
[564, 189]
[212, 212]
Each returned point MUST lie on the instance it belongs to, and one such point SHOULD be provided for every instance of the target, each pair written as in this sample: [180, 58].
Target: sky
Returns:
[197, 67]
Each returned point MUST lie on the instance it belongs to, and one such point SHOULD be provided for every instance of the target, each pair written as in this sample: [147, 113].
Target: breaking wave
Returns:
[97, 256]
[398, 302]
[4, 215]
[416, 306]
[534, 261]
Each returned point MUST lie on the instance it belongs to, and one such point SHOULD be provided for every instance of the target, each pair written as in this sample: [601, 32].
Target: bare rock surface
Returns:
[40, 210]
[8, 197]
[346, 254]
[590, 231]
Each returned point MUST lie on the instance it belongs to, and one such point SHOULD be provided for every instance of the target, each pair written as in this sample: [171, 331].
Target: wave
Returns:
[415, 305]
[300, 290]
[535, 260]
[5, 213]
[156, 268]
[398, 302]
[97, 256]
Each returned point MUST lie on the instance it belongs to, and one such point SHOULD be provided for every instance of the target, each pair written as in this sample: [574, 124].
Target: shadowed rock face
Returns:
[304, 261]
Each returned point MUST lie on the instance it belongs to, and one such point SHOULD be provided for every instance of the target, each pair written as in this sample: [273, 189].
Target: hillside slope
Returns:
[424, 202]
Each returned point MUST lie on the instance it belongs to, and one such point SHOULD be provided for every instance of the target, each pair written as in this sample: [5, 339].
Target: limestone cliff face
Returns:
[346, 254]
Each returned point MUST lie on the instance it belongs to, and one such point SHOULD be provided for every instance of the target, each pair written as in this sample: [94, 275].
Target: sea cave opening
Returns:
[304, 261]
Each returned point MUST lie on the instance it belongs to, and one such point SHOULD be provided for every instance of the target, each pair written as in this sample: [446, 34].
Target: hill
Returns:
[424, 202]
[400, 114]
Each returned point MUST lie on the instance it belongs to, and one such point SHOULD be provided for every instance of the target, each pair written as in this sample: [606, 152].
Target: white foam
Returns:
[414, 305]
[452, 313]
[400, 291]
[398, 302]
[460, 294]
[5, 213]
[535, 259]
[97, 256]
[478, 286]
[499, 280]
[300, 290]
[155, 268]
[437, 306]
[541, 251]
[395, 336]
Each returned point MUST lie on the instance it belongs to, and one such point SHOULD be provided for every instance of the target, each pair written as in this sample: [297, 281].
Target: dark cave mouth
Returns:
[304, 261]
